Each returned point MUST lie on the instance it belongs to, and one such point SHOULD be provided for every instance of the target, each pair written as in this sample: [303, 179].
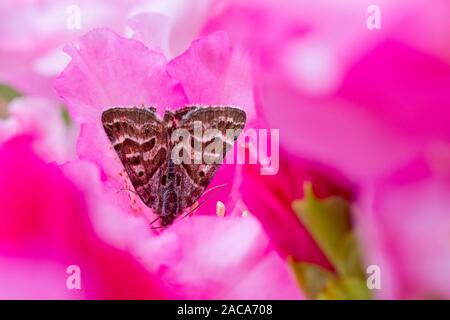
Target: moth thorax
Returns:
[167, 220]
[169, 119]
[170, 203]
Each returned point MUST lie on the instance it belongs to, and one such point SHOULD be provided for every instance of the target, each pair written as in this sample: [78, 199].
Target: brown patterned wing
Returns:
[141, 141]
[196, 177]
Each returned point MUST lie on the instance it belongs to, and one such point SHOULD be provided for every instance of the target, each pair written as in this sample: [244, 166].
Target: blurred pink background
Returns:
[363, 115]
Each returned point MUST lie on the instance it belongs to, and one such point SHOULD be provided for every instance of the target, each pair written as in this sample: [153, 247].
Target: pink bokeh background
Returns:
[363, 114]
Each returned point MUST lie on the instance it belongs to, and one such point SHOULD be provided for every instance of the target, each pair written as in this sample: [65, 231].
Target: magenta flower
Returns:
[109, 70]
[64, 222]
[46, 228]
[220, 258]
[199, 257]
[363, 178]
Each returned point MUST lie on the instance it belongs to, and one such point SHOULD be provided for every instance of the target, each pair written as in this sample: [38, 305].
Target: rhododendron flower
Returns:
[117, 254]
[206, 257]
[237, 262]
[200, 257]
[362, 182]
[45, 228]
[109, 70]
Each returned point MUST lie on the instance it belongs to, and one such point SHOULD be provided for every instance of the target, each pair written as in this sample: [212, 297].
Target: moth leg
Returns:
[157, 218]
[129, 190]
[193, 208]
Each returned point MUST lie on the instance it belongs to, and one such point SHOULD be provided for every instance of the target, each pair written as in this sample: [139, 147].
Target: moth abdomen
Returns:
[169, 210]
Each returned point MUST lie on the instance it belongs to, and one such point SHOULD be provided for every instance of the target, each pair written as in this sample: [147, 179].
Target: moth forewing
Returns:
[181, 150]
[198, 142]
[213, 153]
[171, 162]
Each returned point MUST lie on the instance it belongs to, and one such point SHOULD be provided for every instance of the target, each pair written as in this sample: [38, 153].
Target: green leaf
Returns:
[321, 284]
[66, 116]
[355, 288]
[7, 93]
[348, 257]
[312, 279]
[346, 289]
[327, 220]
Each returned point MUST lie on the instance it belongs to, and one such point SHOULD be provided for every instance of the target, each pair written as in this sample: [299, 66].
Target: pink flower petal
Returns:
[46, 228]
[152, 29]
[212, 73]
[405, 225]
[108, 70]
[207, 257]
[224, 258]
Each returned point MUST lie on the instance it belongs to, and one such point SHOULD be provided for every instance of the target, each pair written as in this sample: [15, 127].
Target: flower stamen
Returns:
[220, 209]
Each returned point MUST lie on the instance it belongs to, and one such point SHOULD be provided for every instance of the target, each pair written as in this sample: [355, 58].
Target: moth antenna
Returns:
[153, 228]
[157, 218]
[191, 211]
[120, 190]
[214, 188]
[184, 216]
[204, 200]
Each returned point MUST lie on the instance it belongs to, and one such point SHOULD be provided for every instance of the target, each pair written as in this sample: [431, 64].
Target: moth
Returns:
[144, 143]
